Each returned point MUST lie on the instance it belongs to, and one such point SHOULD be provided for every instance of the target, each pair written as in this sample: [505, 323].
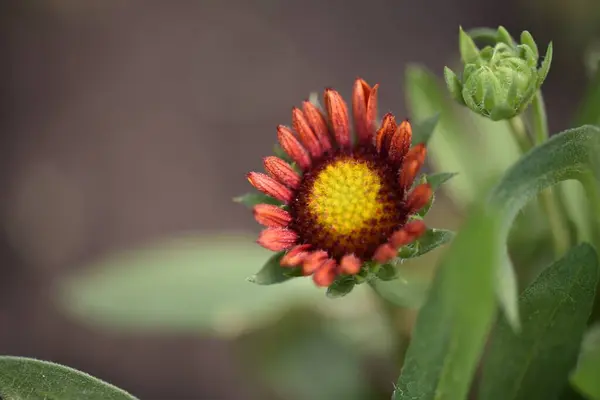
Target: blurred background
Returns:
[131, 124]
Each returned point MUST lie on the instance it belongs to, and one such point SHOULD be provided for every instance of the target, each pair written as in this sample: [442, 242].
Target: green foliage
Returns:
[571, 154]
[453, 323]
[184, 284]
[585, 377]
[534, 363]
[253, 198]
[29, 379]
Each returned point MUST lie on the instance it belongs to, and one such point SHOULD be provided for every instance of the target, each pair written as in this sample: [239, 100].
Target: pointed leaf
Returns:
[454, 85]
[341, 287]
[279, 152]
[423, 130]
[527, 39]
[572, 154]
[438, 179]
[502, 36]
[534, 363]
[452, 325]
[29, 379]
[545, 68]
[272, 272]
[469, 52]
[431, 240]
[253, 198]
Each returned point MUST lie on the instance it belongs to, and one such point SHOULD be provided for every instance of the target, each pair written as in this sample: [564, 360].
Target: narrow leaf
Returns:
[272, 272]
[452, 325]
[29, 379]
[254, 198]
[571, 154]
[533, 364]
[431, 240]
[438, 179]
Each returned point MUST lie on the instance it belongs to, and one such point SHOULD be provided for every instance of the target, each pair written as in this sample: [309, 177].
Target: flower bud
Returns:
[498, 82]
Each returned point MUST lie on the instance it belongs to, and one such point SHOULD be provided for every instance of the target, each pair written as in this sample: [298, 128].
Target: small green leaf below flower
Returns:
[341, 287]
[387, 272]
[435, 181]
[26, 378]
[432, 239]
[253, 198]
[272, 272]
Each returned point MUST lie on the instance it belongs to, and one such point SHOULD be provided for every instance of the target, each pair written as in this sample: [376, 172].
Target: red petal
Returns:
[408, 233]
[364, 110]
[384, 253]
[400, 143]
[271, 216]
[325, 275]
[292, 147]
[418, 198]
[385, 133]
[350, 264]
[338, 116]
[295, 256]
[318, 124]
[313, 261]
[277, 239]
[307, 136]
[281, 171]
[269, 186]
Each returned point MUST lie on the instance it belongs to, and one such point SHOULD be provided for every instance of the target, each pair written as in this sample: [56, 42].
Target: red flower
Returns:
[352, 200]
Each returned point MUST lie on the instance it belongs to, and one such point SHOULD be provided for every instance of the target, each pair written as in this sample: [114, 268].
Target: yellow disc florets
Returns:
[350, 204]
[344, 197]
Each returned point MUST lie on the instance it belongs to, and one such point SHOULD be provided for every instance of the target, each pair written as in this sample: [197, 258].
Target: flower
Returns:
[498, 82]
[346, 201]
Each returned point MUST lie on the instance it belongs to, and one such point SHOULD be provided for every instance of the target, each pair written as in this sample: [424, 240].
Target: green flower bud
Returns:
[498, 82]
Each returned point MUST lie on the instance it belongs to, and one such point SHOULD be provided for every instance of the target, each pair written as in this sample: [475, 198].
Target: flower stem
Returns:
[549, 199]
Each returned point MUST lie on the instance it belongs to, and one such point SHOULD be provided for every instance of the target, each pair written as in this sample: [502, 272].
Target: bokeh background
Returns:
[123, 123]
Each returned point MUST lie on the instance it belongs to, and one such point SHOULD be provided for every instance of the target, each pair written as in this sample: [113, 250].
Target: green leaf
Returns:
[341, 287]
[423, 130]
[29, 379]
[182, 284]
[435, 181]
[431, 240]
[527, 39]
[253, 198]
[454, 85]
[585, 377]
[452, 325]
[387, 272]
[272, 272]
[545, 68]
[534, 363]
[572, 154]
[469, 52]
[502, 36]
[279, 152]
[473, 146]
[438, 179]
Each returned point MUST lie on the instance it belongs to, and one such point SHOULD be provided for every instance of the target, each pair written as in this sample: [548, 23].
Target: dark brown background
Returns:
[126, 120]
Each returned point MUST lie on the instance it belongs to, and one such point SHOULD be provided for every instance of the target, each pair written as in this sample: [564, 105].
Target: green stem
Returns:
[549, 200]
[540, 120]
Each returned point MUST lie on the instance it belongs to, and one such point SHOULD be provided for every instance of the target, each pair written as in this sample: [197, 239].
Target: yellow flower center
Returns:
[344, 197]
[349, 203]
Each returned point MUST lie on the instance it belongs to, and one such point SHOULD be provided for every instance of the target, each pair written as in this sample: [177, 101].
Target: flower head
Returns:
[498, 82]
[346, 200]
